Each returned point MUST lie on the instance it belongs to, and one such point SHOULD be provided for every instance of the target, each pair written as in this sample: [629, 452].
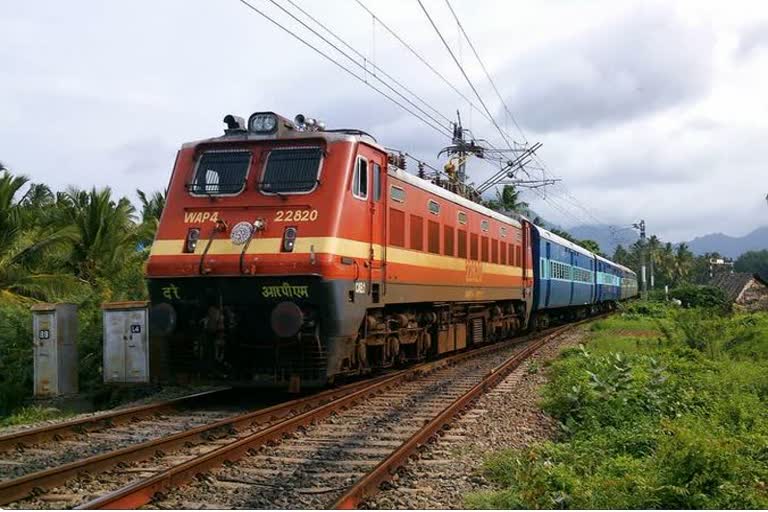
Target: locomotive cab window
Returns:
[291, 170]
[376, 171]
[221, 173]
[360, 179]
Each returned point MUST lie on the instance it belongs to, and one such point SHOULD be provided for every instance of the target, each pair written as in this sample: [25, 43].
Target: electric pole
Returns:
[643, 279]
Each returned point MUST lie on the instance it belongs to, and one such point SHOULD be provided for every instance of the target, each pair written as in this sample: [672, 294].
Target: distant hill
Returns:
[730, 246]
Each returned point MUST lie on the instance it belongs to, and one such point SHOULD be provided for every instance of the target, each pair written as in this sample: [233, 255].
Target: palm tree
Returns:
[22, 247]
[508, 200]
[683, 263]
[151, 209]
[105, 231]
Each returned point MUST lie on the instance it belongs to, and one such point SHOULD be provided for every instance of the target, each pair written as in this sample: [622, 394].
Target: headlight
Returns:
[262, 123]
[193, 235]
[289, 239]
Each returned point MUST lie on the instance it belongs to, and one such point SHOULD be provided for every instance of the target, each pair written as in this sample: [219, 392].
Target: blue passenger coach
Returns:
[571, 282]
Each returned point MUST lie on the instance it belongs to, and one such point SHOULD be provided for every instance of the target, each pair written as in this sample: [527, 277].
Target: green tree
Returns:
[508, 200]
[753, 262]
[683, 263]
[104, 231]
[21, 247]
[590, 245]
[151, 209]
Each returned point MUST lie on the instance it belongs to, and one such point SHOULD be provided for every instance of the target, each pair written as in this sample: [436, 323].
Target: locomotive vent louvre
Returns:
[291, 170]
[221, 173]
[477, 330]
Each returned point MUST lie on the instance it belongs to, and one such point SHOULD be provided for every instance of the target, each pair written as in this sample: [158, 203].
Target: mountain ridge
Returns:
[727, 245]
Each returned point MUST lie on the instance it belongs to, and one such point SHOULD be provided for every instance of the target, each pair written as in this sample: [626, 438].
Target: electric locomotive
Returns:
[292, 255]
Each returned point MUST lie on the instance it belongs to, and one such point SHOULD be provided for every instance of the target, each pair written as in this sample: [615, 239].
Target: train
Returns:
[294, 256]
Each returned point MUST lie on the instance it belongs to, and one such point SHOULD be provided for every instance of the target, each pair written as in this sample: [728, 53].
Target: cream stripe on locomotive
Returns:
[337, 246]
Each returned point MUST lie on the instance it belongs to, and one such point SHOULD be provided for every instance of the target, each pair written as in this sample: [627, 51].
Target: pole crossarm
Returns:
[510, 168]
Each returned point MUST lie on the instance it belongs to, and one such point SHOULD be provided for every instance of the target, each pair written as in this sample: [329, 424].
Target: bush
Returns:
[701, 297]
[15, 356]
[671, 427]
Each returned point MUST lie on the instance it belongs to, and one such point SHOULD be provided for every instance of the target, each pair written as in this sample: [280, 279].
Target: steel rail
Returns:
[142, 492]
[369, 484]
[23, 486]
[26, 485]
[71, 427]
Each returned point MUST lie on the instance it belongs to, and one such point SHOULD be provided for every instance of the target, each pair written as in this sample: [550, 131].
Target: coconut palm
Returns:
[508, 200]
[22, 247]
[683, 263]
[104, 231]
[151, 209]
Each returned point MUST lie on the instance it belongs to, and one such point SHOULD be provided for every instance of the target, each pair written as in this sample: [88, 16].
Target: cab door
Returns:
[375, 228]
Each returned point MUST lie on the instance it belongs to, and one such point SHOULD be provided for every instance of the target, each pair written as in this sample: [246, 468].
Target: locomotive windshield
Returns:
[221, 172]
[291, 170]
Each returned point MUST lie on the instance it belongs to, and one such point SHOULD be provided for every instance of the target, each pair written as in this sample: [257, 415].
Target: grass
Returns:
[32, 414]
[661, 408]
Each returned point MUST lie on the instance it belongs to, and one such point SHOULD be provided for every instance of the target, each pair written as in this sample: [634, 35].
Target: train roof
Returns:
[548, 235]
[447, 194]
[328, 136]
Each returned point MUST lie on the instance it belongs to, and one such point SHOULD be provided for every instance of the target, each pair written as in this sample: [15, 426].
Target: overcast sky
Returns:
[654, 110]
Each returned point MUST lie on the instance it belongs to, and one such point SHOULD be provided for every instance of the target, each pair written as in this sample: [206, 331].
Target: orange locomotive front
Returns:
[291, 255]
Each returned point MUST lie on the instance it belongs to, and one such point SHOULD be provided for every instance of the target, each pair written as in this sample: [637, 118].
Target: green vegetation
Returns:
[753, 262]
[85, 247]
[663, 408]
[32, 414]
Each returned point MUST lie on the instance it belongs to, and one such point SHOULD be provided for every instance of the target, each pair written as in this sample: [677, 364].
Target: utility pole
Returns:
[650, 265]
[643, 279]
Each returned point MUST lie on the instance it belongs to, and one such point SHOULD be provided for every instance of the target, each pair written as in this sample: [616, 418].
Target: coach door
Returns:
[377, 202]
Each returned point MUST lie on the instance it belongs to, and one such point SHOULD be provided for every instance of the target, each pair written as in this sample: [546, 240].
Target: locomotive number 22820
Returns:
[296, 215]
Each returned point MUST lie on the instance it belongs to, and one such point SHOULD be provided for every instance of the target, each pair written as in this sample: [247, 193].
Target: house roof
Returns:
[734, 283]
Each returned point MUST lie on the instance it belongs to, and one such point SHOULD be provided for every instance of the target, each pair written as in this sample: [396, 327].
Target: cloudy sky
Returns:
[654, 110]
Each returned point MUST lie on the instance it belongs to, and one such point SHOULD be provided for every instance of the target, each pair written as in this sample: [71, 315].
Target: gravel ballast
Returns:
[507, 417]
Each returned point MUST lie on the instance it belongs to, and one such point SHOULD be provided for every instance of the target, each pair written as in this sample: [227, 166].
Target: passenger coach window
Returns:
[221, 172]
[360, 180]
[291, 171]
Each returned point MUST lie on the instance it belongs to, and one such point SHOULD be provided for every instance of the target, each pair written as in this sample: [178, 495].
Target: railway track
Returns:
[36, 448]
[333, 447]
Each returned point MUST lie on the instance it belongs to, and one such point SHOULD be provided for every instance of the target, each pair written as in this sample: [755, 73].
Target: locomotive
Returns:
[291, 255]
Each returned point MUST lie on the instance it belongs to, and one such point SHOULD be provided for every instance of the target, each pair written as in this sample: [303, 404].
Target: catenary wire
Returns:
[439, 129]
[464, 73]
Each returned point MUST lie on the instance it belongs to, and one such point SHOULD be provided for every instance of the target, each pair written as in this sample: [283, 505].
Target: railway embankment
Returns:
[509, 417]
[660, 408]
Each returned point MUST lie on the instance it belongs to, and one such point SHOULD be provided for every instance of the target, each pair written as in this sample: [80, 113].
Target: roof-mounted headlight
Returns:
[263, 122]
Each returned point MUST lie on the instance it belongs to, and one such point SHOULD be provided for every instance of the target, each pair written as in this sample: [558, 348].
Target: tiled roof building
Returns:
[749, 291]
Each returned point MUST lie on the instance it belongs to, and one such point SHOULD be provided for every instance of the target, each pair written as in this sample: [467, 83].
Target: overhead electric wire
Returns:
[423, 60]
[437, 128]
[464, 73]
[375, 66]
[362, 66]
[485, 70]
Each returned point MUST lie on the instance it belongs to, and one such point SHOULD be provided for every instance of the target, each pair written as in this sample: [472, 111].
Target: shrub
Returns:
[673, 427]
[701, 297]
